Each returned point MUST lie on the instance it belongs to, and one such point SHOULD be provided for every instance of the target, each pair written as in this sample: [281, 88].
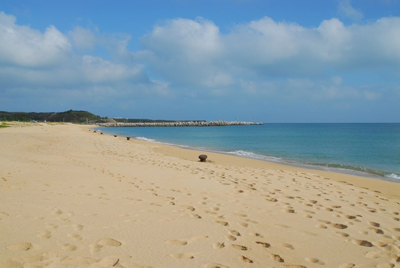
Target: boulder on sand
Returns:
[202, 157]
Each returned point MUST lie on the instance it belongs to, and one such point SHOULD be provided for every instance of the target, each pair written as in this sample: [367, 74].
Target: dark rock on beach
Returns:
[202, 157]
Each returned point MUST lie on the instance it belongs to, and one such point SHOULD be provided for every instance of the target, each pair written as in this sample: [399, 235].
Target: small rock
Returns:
[128, 138]
[202, 157]
[115, 135]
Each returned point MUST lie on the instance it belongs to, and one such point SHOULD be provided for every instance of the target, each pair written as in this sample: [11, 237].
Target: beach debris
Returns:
[115, 135]
[128, 138]
[101, 133]
[202, 157]
[94, 131]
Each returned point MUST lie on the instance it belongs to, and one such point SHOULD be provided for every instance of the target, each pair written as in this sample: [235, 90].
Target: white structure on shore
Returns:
[180, 124]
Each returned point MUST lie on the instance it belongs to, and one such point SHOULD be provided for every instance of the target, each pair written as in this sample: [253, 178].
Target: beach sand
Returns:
[74, 198]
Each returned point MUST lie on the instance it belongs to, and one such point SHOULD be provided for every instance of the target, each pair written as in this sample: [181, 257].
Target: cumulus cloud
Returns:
[48, 67]
[195, 60]
[186, 51]
[196, 53]
[24, 46]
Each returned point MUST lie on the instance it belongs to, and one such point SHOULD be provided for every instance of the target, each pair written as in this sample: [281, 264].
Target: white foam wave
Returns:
[145, 139]
[255, 156]
[393, 176]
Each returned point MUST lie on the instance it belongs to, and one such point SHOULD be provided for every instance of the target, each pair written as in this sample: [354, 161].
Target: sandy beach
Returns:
[74, 198]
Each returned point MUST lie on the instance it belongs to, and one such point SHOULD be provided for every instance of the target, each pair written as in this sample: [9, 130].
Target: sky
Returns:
[273, 61]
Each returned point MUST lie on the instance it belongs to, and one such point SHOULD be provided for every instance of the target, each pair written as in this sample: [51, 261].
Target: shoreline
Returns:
[227, 159]
[327, 168]
[74, 198]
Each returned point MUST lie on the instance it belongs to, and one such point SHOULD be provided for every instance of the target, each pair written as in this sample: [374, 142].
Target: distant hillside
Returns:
[75, 117]
[67, 116]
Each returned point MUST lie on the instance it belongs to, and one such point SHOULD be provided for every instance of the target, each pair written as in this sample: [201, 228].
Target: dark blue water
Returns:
[350, 148]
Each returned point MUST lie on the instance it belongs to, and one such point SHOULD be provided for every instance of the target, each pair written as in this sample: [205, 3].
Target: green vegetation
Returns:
[67, 116]
[72, 116]
[4, 125]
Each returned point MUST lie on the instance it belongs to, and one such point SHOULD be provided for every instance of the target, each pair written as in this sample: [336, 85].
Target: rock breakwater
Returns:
[181, 124]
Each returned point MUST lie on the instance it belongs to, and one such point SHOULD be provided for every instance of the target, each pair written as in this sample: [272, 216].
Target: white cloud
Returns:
[196, 53]
[371, 96]
[24, 46]
[51, 67]
[96, 69]
[348, 11]
[83, 38]
[186, 51]
[193, 58]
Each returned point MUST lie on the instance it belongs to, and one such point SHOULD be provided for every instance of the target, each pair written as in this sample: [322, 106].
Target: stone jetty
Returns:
[181, 124]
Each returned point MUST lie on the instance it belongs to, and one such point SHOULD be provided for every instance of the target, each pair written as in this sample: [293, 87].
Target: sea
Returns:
[365, 149]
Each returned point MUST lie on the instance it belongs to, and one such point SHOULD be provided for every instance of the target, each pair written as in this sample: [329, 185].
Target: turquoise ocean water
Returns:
[363, 149]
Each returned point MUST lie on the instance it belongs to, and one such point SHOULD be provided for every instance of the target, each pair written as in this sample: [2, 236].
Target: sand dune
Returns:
[74, 198]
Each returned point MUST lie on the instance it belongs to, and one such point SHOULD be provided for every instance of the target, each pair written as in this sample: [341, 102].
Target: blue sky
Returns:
[270, 60]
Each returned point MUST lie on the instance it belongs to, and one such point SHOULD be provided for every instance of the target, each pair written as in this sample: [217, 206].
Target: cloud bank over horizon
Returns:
[259, 67]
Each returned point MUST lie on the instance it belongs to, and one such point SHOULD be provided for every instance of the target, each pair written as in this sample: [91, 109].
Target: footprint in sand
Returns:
[342, 234]
[243, 224]
[314, 260]
[292, 266]
[109, 242]
[176, 242]
[44, 234]
[215, 265]
[289, 210]
[68, 247]
[256, 234]
[95, 248]
[188, 255]
[245, 259]
[75, 237]
[20, 247]
[286, 245]
[363, 243]
[77, 227]
[322, 226]
[51, 226]
[277, 258]
[264, 244]
[223, 223]
[197, 238]
[338, 225]
[56, 211]
[218, 245]
[110, 261]
[347, 265]
[234, 232]
[230, 237]
[196, 216]
[240, 247]
[377, 231]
